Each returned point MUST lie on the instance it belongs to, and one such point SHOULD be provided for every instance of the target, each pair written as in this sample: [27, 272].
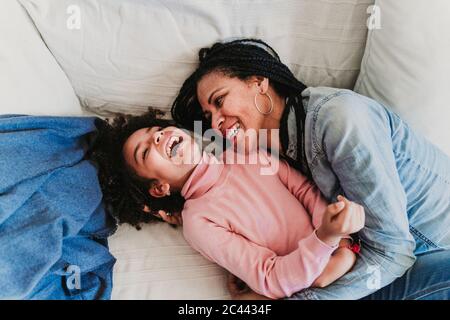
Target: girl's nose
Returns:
[158, 137]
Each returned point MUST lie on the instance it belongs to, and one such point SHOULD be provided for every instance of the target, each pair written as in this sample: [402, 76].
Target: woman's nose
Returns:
[217, 121]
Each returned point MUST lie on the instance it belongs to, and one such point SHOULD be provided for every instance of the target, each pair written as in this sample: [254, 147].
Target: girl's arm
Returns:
[340, 263]
[306, 191]
[262, 269]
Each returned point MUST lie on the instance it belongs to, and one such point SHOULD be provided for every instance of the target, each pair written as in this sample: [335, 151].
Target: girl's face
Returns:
[229, 104]
[165, 154]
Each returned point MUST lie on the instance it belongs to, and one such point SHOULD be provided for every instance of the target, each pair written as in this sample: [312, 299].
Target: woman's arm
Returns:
[351, 143]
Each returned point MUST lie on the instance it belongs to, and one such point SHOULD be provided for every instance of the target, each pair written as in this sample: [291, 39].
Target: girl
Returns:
[275, 232]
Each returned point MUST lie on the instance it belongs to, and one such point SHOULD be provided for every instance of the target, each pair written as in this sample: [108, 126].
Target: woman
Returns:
[348, 144]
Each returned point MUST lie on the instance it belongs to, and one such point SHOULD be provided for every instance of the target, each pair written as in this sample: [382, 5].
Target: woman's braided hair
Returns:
[125, 194]
[244, 58]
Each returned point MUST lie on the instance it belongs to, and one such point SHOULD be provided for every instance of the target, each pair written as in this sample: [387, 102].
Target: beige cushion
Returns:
[157, 263]
[406, 65]
[129, 54]
[31, 81]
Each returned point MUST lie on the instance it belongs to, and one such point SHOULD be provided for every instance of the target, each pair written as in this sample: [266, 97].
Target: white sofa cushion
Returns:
[129, 54]
[406, 65]
[157, 263]
[31, 81]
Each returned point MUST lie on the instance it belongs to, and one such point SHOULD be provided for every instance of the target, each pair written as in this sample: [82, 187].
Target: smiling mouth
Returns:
[233, 131]
[172, 145]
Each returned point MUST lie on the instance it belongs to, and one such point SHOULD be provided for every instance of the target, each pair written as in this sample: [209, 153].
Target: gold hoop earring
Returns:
[271, 104]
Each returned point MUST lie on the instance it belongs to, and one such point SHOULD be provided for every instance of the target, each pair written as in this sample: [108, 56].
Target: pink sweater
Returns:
[258, 227]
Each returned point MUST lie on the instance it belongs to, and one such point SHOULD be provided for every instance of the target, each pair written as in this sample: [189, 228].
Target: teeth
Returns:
[170, 145]
[175, 147]
[233, 131]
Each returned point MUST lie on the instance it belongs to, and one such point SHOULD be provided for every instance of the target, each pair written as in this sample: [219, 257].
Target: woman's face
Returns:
[167, 154]
[229, 104]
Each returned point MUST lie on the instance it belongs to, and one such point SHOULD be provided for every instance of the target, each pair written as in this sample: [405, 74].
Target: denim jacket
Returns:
[359, 148]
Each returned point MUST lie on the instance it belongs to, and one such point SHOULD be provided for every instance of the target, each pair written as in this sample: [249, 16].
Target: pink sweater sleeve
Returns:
[305, 191]
[262, 269]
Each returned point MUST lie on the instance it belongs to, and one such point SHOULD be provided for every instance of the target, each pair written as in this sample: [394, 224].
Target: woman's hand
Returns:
[172, 218]
[240, 291]
[341, 218]
[236, 286]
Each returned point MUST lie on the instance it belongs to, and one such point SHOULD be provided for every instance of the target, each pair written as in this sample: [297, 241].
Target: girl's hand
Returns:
[341, 218]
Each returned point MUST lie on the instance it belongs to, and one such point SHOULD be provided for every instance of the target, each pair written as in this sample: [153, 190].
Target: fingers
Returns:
[230, 277]
[231, 284]
[352, 217]
[179, 218]
[362, 217]
[343, 217]
[235, 285]
[171, 218]
[336, 207]
[162, 214]
[357, 218]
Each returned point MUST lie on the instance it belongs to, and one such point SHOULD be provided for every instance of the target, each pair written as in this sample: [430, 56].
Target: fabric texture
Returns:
[31, 81]
[428, 279]
[156, 263]
[263, 224]
[406, 65]
[53, 227]
[129, 54]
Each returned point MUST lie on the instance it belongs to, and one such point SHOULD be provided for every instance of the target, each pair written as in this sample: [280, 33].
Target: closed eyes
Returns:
[219, 101]
[145, 152]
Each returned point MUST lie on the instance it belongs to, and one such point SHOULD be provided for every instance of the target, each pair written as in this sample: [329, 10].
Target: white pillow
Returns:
[406, 65]
[129, 54]
[157, 263]
[31, 81]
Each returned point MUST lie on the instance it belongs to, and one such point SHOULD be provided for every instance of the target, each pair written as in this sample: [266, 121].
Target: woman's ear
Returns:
[159, 190]
[262, 83]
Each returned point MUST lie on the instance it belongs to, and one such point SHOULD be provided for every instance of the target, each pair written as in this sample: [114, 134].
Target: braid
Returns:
[244, 58]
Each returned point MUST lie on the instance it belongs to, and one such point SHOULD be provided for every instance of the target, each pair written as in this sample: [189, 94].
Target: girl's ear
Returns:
[159, 190]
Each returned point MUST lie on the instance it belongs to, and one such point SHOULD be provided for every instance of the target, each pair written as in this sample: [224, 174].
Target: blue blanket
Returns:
[53, 227]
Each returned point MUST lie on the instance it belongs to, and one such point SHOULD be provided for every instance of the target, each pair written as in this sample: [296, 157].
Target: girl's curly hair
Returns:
[125, 194]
